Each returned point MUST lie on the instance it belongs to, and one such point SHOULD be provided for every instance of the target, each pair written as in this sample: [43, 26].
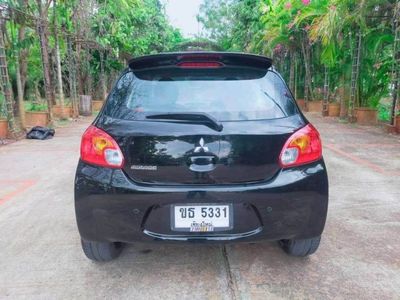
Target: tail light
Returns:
[303, 146]
[98, 148]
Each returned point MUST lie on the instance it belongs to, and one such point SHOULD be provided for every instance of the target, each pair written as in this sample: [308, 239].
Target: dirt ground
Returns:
[359, 256]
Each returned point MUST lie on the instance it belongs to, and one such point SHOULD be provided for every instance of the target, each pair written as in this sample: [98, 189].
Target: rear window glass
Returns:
[226, 99]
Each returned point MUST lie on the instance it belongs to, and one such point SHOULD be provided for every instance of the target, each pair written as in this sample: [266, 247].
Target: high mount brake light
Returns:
[302, 147]
[200, 57]
[99, 148]
[200, 64]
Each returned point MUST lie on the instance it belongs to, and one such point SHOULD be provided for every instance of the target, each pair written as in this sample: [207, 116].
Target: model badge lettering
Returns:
[146, 168]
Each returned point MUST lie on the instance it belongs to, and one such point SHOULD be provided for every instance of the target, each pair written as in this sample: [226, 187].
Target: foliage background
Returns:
[313, 44]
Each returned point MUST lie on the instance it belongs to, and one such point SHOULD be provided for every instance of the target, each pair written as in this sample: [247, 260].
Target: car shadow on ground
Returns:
[239, 269]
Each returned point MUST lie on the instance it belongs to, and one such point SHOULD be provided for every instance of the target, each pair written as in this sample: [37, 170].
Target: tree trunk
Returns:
[89, 82]
[23, 53]
[343, 108]
[37, 92]
[309, 76]
[21, 108]
[292, 69]
[103, 76]
[396, 64]
[306, 97]
[53, 72]
[72, 77]
[325, 103]
[43, 38]
[58, 63]
[296, 76]
[21, 68]
[307, 79]
[355, 72]
[59, 79]
[78, 67]
[23, 60]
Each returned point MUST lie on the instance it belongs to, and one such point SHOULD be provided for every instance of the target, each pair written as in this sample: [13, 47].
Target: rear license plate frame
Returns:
[187, 229]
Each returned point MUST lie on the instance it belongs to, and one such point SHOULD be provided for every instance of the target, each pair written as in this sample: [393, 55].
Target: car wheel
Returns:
[300, 247]
[101, 251]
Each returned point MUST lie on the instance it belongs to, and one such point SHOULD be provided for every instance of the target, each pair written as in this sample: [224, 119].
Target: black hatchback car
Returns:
[200, 147]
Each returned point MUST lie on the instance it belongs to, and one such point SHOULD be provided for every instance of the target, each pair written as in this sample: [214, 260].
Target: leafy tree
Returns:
[78, 46]
[314, 43]
[234, 24]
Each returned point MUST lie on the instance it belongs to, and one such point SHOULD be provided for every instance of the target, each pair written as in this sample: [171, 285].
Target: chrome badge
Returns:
[201, 147]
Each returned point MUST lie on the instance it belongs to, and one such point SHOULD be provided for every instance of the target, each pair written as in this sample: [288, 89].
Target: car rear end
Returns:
[206, 147]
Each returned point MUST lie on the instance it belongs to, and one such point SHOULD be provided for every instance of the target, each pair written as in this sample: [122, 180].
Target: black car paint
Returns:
[226, 58]
[111, 207]
[269, 202]
[114, 205]
[242, 152]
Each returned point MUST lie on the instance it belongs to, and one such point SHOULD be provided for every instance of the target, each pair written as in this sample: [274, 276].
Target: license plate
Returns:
[201, 218]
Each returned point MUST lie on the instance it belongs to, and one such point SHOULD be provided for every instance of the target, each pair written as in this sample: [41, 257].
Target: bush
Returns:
[34, 106]
[3, 110]
[384, 112]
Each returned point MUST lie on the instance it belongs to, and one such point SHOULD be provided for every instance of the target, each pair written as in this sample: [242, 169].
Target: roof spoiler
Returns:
[179, 59]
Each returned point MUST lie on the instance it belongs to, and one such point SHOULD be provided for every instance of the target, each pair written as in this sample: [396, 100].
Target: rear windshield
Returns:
[226, 99]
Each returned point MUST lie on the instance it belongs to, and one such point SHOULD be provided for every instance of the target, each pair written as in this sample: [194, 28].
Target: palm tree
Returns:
[282, 37]
[326, 27]
[330, 25]
[5, 81]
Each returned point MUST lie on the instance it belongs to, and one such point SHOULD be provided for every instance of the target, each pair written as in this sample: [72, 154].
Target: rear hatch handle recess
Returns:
[189, 118]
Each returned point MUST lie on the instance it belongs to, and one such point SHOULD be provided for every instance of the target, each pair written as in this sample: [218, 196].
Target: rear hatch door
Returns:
[200, 119]
[167, 153]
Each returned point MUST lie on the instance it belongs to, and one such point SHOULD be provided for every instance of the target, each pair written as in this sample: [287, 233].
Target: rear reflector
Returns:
[303, 146]
[99, 148]
[200, 64]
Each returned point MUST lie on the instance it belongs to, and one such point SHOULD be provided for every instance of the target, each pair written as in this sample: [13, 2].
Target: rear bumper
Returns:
[111, 207]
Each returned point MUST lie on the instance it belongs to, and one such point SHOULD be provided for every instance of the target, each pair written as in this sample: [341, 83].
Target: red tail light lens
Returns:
[303, 146]
[98, 148]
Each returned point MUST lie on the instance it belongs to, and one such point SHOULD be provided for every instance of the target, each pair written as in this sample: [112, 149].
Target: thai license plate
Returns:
[201, 218]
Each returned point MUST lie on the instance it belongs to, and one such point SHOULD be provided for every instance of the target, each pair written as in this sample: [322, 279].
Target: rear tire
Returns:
[300, 247]
[101, 251]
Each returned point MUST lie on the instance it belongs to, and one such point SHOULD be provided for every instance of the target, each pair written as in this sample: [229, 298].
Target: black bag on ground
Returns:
[40, 133]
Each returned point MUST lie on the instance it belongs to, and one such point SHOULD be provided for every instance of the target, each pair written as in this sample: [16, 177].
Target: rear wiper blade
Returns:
[276, 103]
[189, 117]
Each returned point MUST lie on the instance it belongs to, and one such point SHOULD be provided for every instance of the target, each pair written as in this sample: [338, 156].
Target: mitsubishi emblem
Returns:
[201, 148]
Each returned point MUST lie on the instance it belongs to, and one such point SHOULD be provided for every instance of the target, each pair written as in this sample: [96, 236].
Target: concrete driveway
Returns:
[359, 258]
